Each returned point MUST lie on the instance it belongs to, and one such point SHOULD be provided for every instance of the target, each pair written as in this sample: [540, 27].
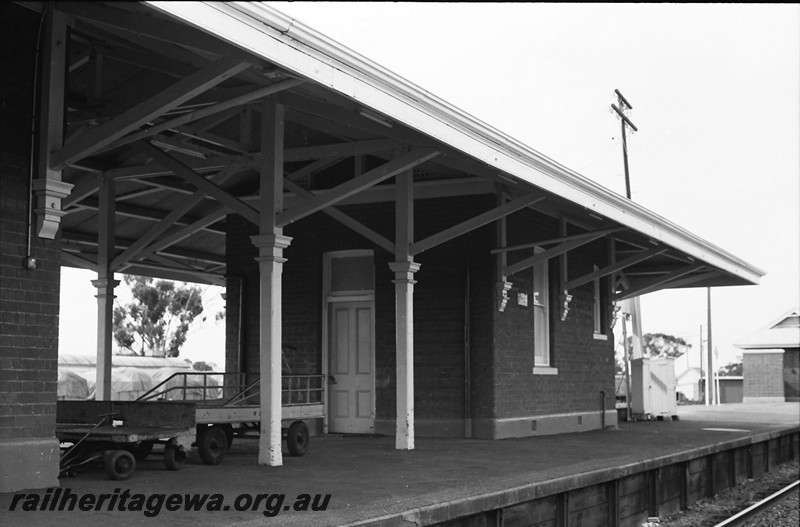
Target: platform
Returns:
[371, 483]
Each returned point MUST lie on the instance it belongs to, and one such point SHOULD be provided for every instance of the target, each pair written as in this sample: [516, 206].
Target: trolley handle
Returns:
[103, 418]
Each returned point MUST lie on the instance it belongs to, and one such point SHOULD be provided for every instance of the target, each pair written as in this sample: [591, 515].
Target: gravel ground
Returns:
[710, 512]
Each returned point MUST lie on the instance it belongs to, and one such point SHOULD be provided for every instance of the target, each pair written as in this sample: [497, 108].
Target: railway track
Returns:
[742, 517]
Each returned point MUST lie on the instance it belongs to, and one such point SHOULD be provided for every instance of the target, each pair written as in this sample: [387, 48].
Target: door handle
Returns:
[331, 379]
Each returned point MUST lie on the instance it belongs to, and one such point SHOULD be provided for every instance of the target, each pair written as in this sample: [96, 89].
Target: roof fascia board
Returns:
[268, 33]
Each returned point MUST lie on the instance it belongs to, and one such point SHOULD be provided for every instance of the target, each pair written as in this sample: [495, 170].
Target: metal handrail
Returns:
[296, 390]
[161, 390]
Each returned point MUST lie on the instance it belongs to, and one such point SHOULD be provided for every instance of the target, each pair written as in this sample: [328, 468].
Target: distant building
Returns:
[771, 361]
[688, 384]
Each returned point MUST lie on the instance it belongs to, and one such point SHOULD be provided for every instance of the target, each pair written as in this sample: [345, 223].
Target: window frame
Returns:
[542, 359]
[599, 331]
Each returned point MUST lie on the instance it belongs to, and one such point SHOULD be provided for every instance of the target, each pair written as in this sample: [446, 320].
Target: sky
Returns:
[715, 90]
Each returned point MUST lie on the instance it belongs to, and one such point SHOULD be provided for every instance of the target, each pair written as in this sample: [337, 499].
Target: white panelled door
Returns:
[351, 372]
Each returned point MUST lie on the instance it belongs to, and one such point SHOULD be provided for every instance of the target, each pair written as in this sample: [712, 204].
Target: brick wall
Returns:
[585, 365]
[29, 299]
[29, 316]
[439, 303]
[791, 374]
[501, 381]
[763, 374]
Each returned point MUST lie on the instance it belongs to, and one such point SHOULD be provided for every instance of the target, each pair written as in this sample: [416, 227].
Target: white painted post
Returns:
[404, 338]
[270, 264]
[404, 269]
[270, 242]
[105, 309]
[105, 285]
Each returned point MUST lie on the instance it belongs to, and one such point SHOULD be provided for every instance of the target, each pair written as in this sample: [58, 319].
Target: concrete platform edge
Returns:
[476, 504]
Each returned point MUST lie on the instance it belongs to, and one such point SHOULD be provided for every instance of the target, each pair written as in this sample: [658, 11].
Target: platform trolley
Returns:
[227, 406]
[118, 433]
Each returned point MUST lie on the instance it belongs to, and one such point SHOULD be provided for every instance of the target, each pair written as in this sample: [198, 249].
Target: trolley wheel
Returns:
[212, 445]
[142, 450]
[297, 438]
[174, 456]
[119, 464]
[228, 429]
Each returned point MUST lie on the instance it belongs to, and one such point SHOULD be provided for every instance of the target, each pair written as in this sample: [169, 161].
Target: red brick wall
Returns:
[29, 299]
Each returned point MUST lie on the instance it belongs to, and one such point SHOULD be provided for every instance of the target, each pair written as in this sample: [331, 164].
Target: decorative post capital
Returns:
[270, 247]
[404, 272]
[271, 241]
[105, 286]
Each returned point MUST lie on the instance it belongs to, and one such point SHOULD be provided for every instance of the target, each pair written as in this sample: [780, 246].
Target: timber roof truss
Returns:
[170, 116]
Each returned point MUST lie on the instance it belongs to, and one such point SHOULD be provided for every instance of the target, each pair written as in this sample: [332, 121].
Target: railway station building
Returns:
[444, 278]
[771, 361]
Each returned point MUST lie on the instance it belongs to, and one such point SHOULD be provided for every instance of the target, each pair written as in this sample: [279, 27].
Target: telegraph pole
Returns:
[625, 347]
[702, 368]
[623, 105]
[710, 388]
[633, 311]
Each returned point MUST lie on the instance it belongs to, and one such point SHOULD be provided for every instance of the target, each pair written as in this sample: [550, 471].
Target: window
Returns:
[541, 318]
[351, 273]
[597, 310]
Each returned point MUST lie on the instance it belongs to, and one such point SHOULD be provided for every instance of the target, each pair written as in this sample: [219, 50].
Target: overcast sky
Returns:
[715, 95]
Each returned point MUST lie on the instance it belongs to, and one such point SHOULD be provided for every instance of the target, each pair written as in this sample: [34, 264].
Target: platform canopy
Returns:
[162, 116]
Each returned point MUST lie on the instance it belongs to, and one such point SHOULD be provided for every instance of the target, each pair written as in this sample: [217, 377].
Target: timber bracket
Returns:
[503, 287]
[564, 299]
[49, 193]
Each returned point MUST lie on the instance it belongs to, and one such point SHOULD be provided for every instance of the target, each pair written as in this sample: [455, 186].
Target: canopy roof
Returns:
[164, 98]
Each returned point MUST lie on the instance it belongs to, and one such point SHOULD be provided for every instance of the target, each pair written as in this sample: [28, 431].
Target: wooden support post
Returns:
[105, 285]
[710, 490]
[749, 461]
[270, 242]
[731, 468]
[611, 283]
[564, 298]
[48, 187]
[404, 268]
[562, 510]
[684, 484]
[655, 491]
[612, 497]
[503, 285]
[495, 518]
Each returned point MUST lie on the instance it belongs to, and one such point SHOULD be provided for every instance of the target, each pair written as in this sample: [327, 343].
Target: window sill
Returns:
[599, 336]
[545, 370]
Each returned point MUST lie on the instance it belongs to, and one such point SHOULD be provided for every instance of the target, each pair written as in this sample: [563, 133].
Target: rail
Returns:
[742, 517]
[230, 389]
